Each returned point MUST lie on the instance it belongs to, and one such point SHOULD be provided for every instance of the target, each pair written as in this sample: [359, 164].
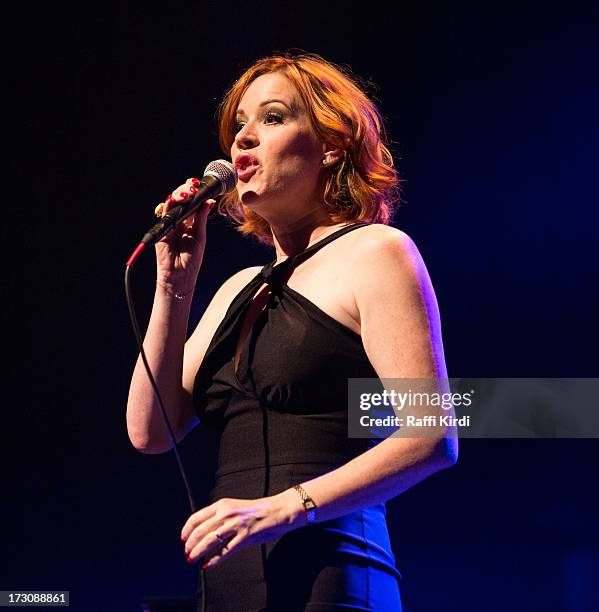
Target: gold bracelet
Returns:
[309, 505]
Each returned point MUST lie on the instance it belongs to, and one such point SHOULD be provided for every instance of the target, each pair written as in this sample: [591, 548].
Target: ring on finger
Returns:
[220, 539]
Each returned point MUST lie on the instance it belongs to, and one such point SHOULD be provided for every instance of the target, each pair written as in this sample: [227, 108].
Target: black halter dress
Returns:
[281, 419]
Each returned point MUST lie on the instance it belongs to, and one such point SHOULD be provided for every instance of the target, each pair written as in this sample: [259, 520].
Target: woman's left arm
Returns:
[401, 333]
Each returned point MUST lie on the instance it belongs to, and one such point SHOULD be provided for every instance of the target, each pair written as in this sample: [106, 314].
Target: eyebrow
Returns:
[292, 107]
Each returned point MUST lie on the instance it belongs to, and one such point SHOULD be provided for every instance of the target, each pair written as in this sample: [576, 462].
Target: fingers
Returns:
[185, 192]
[231, 546]
[227, 525]
[182, 194]
[203, 539]
[196, 519]
[202, 528]
[212, 542]
[196, 224]
[218, 542]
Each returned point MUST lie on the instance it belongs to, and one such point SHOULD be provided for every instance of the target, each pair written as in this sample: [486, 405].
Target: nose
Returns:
[246, 137]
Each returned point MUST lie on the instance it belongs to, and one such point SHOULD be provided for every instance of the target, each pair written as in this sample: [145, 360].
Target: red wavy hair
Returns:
[364, 184]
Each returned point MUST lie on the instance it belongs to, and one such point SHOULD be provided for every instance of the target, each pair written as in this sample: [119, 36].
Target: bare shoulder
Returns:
[234, 284]
[378, 236]
[382, 250]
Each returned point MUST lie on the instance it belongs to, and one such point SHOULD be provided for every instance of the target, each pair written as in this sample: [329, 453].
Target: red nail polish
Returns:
[204, 566]
[183, 194]
[189, 560]
[195, 181]
[169, 197]
[193, 189]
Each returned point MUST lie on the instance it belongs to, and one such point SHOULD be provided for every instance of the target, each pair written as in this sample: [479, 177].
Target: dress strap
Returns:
[272, 274]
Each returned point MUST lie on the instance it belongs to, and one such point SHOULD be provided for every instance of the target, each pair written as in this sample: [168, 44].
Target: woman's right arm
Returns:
[163, 345]
[174, 364]
[178, 257]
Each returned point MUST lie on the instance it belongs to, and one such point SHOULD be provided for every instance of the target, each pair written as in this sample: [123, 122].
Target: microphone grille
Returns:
[225, 172]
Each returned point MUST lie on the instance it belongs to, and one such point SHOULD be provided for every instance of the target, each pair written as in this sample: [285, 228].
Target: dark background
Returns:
[492, 109]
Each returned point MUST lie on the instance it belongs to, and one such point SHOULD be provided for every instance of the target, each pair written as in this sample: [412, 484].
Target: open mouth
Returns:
[247, 173]
[246, 166]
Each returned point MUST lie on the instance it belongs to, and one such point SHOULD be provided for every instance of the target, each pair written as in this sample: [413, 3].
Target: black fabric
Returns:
[281, 420]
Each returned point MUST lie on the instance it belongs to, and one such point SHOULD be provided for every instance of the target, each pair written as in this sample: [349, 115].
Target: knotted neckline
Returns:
[273, 273]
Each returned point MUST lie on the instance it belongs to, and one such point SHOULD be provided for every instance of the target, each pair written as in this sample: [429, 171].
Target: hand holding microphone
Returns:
[180, 235]
[179, 253]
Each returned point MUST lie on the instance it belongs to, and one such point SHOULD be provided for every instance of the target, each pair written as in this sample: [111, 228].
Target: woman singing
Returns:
[296, 519]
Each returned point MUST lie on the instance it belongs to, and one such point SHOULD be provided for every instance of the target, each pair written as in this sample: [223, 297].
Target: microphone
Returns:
[220, 177]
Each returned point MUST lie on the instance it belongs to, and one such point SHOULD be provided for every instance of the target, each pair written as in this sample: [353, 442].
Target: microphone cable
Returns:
[174, 444]
[139, 340]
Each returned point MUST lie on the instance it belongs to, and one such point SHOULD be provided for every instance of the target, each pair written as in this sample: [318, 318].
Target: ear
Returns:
[331, 155]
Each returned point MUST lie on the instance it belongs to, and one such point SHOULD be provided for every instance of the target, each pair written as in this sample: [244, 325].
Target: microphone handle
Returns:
[209, 187]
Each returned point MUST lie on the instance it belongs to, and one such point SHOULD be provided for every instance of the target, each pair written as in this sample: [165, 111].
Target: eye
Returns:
[272, 117]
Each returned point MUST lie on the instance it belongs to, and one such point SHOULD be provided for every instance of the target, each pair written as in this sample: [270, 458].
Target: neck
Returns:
[295, 236]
